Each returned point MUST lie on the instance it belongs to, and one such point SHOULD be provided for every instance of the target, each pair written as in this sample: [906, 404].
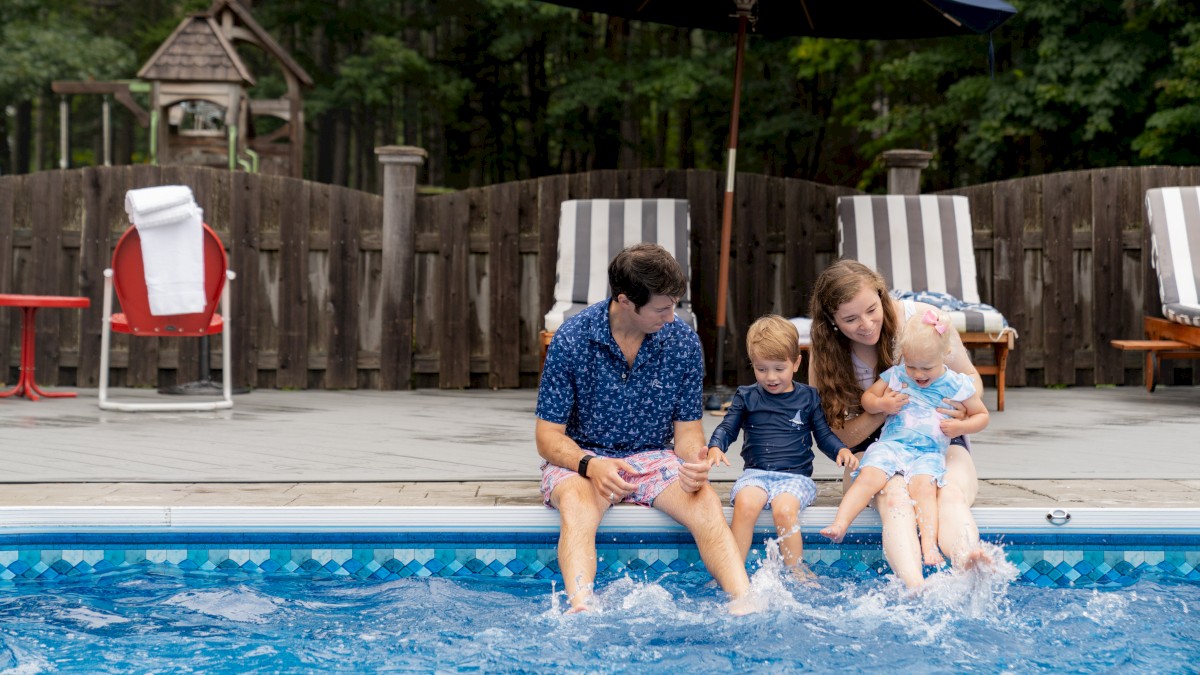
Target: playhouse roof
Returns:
[262, 37]
[196, 52]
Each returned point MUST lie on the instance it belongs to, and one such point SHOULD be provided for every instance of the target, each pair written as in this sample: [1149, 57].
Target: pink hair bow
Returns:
[931, 318]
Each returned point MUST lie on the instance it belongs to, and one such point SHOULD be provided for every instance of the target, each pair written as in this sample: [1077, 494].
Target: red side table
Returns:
[29, 305]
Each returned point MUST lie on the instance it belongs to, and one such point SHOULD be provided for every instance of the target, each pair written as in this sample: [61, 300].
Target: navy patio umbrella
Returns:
[849, 19]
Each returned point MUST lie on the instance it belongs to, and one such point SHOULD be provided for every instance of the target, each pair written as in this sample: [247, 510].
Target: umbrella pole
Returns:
[721, 393]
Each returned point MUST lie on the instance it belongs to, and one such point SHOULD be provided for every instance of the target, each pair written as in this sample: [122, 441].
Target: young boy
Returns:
[781, 417]
[915, 436]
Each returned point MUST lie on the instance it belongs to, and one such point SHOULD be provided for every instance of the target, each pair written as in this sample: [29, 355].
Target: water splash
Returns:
[1108, 609]
[975, 592]
[91, 618]
[242, 605]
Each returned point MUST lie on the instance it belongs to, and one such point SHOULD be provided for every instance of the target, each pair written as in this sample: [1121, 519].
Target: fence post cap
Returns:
[918, 159]
[405, 154]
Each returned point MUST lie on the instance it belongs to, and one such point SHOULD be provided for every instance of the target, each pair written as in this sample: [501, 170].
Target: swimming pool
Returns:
[361, 590]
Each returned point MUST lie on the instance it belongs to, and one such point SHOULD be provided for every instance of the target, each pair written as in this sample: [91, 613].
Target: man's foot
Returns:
[835, 533]
[743, 605]
[932, 557]
[582, 601]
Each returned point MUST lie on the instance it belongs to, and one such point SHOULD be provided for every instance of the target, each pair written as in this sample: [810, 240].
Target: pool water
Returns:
[160, 618]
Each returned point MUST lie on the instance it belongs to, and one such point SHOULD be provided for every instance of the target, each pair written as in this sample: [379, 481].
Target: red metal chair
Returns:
[128, 276]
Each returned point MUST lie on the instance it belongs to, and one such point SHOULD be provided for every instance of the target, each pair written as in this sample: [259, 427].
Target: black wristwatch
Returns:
[582, 470]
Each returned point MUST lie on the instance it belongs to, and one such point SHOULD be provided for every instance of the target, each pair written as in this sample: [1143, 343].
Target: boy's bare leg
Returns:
[746, 508]
[580, 511]
[700, 512]
[923, 491]
[869, 482]
[785, 510]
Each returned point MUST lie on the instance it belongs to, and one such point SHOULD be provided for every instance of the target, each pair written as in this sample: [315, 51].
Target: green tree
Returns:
[1170, 133]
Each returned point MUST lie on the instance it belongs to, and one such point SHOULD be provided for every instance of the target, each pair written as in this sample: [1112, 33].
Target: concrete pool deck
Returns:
[1115, 447]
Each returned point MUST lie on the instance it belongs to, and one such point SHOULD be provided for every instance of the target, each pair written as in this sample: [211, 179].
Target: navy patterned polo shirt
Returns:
[607, 406]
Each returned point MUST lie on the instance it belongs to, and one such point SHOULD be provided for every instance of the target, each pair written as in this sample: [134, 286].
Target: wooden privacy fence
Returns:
[337, 289]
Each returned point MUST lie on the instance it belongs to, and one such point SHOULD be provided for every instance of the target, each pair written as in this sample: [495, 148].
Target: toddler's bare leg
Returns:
[869, 482]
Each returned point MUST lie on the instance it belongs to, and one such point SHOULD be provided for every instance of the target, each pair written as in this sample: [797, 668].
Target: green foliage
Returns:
[1171, 131]
[372, 77]
[505, 89]
[35, 55]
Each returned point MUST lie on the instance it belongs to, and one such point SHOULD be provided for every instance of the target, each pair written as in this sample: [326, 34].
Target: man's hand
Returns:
[693, 475]
[605, 474]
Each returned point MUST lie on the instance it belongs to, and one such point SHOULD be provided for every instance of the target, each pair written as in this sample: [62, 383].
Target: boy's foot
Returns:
[834, 533]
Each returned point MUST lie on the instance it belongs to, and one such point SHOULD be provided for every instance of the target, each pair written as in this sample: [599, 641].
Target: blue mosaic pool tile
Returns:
[1078, 564]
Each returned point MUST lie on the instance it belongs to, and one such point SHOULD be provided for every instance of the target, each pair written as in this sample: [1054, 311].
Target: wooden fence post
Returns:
[904, 170]
[400, 163]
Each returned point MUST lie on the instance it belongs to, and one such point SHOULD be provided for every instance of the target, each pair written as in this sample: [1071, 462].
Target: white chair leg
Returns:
[105, 339]
[226, 361]
[226, 341]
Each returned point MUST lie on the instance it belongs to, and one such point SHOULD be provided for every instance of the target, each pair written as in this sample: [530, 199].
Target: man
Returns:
[623, 380]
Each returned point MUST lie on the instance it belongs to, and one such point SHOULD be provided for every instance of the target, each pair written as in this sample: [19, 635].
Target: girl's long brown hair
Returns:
[840, 393]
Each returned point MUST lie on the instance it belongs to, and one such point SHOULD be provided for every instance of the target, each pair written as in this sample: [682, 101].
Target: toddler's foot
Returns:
[933, 557]
[834, 533]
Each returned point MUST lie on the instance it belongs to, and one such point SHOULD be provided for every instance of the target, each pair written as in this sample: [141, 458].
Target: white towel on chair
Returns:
[150, 200]
[170, 225]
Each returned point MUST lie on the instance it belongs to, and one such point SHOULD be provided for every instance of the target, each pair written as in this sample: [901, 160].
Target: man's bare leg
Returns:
[700, 512]
[580, 511]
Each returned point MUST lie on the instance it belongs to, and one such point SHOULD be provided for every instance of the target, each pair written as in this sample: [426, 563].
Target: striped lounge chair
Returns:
[590, 234]
[922, 246]
[1174, 217]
